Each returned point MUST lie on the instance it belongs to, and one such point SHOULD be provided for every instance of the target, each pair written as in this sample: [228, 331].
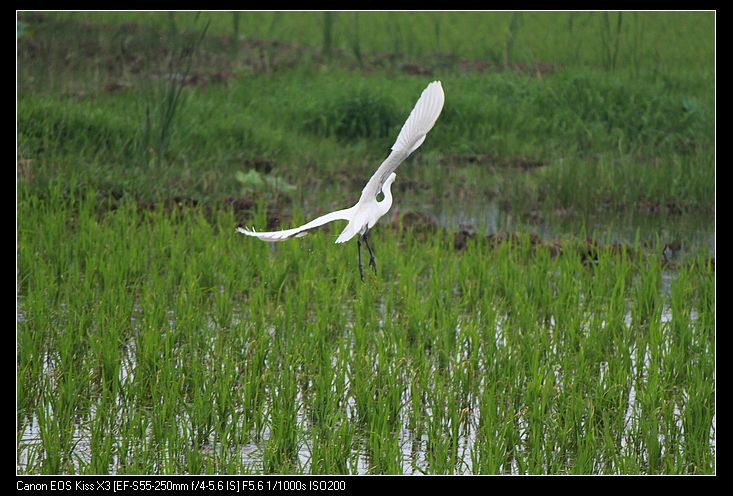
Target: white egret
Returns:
[368, 210]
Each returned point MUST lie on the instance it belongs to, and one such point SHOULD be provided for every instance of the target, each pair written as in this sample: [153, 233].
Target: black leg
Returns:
[372, 262]
[358, 257]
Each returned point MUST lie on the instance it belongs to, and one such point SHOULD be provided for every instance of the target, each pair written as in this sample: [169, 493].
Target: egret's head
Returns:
[386, 191]
[386, 200]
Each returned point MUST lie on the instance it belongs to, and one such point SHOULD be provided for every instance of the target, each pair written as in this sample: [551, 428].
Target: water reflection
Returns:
[682, 234]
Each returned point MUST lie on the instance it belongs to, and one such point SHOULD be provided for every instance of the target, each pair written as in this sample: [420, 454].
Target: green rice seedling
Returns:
[500, 358]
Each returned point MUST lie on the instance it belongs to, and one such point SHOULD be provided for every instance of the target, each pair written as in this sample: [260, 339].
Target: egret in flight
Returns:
[368, 210]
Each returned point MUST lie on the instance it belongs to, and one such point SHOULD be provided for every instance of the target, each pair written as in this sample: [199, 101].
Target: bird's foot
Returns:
[373, 264]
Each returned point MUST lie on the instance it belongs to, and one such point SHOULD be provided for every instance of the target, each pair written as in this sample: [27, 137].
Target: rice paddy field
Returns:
[545, 301]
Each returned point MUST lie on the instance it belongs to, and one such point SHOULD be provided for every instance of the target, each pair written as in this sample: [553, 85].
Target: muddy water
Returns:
[681, 234]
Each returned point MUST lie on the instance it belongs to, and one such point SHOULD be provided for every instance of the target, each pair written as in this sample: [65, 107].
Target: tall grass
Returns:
[593, 35]
[625, 144]
[512, 33]
[162, 91]
[602, 126]
[610, 39]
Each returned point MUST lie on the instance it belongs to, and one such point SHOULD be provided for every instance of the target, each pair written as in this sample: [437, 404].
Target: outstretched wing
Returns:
[301, 231]
[416, 127]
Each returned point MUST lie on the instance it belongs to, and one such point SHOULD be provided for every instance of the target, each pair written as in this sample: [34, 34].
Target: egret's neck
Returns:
[386, 202]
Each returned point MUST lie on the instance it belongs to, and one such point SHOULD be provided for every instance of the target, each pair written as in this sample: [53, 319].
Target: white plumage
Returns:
[368, 210]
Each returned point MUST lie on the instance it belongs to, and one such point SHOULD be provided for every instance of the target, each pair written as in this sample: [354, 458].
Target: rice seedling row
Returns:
[159, 341]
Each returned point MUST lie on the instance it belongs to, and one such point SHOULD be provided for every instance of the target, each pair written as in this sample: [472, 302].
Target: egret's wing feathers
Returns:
[301, 231]
[413, 132]
[421, 119]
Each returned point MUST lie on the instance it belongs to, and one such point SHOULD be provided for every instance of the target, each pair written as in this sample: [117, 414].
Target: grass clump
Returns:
[357, 114]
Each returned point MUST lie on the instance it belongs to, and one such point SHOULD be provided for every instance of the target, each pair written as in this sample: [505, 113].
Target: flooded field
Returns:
[411, 446]
[677, 234]
[189, 350]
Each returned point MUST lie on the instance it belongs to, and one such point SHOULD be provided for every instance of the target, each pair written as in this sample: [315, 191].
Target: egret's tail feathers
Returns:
[421, 119]
[267, 236]
[298, 232]
[348, 233]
